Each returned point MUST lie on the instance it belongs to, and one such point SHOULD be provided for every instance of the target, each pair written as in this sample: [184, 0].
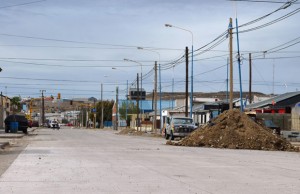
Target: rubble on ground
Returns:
[235, 130]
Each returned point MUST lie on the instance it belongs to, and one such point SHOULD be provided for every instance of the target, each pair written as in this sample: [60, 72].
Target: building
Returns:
[282, 109]
[5, 109]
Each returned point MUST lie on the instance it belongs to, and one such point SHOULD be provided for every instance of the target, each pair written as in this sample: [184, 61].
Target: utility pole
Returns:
[117, 107]
[250, 78]
[239, 63]
[155, 96]
[43, 107]
[101, 125]
[94, 114]
[227, 64]
[137, 103]
[273, 91]
[186, 80]
[231, 66]
[87, 118]
[82, 124]
[126, 104]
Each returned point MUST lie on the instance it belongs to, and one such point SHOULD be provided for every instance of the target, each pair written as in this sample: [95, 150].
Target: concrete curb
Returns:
[3, 144]
[16, 135]
[11, 136]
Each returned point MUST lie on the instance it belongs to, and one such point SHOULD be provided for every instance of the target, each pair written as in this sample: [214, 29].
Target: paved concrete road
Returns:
[88, 161]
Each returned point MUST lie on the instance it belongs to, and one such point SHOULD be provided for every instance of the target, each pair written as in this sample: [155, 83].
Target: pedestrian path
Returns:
[5, 137]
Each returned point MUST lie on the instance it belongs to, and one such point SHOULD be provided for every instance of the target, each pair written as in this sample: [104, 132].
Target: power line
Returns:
[82, 42]
[256, 1]
[86, 47]
[21, 4]
[272, 22]
[71, 66]
[41, 79]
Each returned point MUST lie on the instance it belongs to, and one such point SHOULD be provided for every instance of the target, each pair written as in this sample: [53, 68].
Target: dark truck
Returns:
[20, 119]
[179, 127]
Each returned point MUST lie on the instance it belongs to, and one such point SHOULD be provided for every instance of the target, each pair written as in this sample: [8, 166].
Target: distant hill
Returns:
[221, 95]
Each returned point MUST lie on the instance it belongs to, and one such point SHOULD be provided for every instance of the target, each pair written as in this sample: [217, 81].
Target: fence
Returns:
[107, 124]
[287, 122]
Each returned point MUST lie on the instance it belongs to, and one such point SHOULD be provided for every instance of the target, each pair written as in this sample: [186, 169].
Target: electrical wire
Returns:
[21, 4]
[256, 1]
[69, 66]
[271, 22]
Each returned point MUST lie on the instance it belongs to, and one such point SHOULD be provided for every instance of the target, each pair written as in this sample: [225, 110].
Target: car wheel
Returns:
[6, 129]
[166, 134]
[171, 136]
[25, 131]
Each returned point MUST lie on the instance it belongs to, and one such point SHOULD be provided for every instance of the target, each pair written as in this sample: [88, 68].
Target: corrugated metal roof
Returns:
[275, 99]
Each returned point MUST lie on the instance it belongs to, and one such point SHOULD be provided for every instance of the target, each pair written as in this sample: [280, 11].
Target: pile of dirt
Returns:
[235, 130]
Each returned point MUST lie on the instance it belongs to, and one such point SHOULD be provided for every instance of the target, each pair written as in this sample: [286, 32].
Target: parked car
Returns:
[32, 123]
[20, 119]
[53, 124]
[179, 127]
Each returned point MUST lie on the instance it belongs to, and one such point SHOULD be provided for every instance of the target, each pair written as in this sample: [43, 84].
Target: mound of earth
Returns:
[235, 130]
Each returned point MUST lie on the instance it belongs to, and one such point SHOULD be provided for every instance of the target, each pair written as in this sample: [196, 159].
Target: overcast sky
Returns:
[72, 46]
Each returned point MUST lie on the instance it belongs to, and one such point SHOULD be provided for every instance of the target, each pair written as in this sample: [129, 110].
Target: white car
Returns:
[53, 124]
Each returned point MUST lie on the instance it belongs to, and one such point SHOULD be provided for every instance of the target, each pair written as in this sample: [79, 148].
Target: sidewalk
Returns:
[6, 137]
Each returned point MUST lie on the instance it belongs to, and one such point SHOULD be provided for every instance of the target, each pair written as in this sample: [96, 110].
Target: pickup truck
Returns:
[179, 127]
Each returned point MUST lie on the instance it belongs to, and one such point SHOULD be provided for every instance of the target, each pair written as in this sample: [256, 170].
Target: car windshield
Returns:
[182, 121]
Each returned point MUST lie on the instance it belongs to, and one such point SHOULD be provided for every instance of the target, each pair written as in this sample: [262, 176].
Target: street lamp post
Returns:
[192, 66]
[141, 79]
[158, 54]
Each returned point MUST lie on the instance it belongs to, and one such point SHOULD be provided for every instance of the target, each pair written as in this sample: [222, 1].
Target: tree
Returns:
[107, 111]
[15, 102]
[131, 109]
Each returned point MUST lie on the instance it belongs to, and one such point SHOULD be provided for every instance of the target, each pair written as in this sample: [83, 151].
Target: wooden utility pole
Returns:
[155, 96]
[250, 78]
[231, 66]
[43, 108]
[186, 80]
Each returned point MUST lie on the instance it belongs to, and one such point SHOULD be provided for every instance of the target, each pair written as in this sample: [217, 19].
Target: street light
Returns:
[129, 60]
[141, 96]
[158, 54]
[192, 68]
[141, 70]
